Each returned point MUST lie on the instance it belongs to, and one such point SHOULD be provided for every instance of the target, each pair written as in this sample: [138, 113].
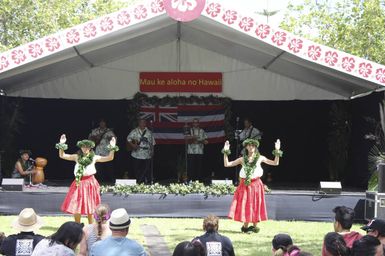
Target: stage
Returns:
[282, 204]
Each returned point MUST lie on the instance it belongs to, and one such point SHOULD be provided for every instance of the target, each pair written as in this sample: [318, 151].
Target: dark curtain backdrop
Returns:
[302, 126]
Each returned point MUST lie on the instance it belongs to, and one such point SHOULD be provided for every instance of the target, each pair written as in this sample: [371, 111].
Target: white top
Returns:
[43, 249]
[257, 172]
[90, 169]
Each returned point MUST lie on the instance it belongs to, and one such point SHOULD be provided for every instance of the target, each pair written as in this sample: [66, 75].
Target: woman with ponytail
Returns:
[283, 246]
[96, 231]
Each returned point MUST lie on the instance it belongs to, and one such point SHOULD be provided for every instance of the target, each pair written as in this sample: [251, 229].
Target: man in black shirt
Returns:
[214, 243]
[24, 242]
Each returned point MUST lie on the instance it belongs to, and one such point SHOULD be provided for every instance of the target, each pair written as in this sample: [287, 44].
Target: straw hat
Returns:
[119, 219]
[27, 221]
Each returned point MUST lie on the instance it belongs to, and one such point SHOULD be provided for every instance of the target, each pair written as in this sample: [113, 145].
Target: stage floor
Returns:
[285, 204]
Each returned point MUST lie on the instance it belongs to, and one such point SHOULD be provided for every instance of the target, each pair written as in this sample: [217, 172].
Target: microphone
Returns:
[237, 119]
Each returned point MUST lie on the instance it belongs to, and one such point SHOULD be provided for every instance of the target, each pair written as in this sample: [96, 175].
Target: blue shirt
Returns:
[117, 246]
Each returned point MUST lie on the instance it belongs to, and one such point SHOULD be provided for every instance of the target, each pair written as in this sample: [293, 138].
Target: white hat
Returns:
[27, 221]
[119, 219]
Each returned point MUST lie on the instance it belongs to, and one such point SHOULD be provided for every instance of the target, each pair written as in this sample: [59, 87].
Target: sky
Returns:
[260, 5]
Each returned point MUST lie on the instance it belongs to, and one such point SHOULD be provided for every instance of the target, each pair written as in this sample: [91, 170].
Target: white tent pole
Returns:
[178, 45]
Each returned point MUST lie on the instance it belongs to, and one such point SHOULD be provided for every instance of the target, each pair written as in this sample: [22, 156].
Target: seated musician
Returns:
[24, 166]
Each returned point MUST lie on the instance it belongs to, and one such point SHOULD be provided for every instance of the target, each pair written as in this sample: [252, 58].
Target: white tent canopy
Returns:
[254, 63]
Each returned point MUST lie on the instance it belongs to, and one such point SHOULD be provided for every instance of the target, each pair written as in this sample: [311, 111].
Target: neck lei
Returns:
[83, 162]
[249, 166]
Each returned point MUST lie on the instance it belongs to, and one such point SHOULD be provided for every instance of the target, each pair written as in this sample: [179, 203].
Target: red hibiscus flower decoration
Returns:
[157, 6]
[380, 75]
[331, 58]
[3, 62]
[52, 44]
[89, 30]
[35, 50]
[18, 56]
[262, 31]
[348, 63]
[140, 12]
[213, 9]
[106, 24]
[279, 38]
[230, 16]
[365, 69]
[124, 18]
[73, 36]
[295, 45]
[246, 23]
[314, 52]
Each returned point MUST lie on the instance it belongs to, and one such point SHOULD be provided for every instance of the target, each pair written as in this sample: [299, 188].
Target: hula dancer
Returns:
[249, 199]
[84, 193]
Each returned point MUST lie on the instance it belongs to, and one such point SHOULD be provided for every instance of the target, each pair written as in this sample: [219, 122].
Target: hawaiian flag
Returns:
[169, 122]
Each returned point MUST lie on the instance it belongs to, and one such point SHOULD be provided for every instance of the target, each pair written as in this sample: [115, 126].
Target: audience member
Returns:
[376, 228]
[187, 248]
[367, 246]
[304, 254]
[214, 243]
[24, 242]
[335, 245]
[97, 231]
[63, 242]
[117, 244]
[283, 246]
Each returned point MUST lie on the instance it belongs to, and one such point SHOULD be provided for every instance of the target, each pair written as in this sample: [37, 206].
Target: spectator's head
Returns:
[282, 243]
[210, 223]
[27, 221]
[142, 123]
[101, 216]
[195, 123]
[335, 245]
[247, 122]
[119, 222]
[2, 237]
[25, 154]
[304, 254]
[343, 218]
[102, 123]
[367, 246]
[186, 248]
[376, 228]
[70, 234]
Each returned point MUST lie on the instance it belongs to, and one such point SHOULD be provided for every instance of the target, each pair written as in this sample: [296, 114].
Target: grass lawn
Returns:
[307, 235]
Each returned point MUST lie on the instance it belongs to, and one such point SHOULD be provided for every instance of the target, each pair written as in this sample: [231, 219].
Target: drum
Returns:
[38, 176]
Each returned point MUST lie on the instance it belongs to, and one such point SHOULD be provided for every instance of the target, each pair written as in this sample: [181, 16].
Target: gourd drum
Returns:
[38, 177]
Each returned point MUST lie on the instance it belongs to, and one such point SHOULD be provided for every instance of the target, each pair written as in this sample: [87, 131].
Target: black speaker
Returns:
[330, 187]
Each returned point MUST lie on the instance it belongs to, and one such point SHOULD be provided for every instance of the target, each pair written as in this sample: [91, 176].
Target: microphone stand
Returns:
[186, 132]
[236, 150]
[152, 153]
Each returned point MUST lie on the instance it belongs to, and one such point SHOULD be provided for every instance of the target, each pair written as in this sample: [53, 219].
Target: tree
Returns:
[22, 21]
[353, 26]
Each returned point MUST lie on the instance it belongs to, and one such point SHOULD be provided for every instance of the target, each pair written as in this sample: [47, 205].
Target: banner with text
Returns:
[180, 82]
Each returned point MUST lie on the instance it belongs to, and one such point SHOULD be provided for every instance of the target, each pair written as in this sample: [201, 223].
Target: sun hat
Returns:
[375, 224]
[119, 219]
[250, 142]
[27, 221]
[281, 241]
[85, 143]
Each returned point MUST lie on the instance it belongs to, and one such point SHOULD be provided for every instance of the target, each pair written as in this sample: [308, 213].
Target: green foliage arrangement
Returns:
[180, 189]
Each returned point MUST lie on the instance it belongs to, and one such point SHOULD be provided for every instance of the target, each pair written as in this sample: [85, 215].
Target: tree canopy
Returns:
[353, 26]
[22, 21]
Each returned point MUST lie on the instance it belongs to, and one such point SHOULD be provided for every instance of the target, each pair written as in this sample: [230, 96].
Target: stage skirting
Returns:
[281, 205]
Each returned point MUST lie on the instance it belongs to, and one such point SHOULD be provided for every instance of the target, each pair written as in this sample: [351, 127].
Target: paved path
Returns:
[155, 241]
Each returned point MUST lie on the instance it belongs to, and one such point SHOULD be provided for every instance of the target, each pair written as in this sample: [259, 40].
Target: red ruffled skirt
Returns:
[249, 202]
[83, 198]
